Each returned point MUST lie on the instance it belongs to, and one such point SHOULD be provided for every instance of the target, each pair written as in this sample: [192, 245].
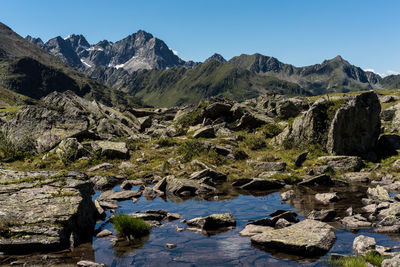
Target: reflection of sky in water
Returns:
[224, 249]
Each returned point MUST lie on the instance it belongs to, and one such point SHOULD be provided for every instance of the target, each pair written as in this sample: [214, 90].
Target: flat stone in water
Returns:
[307, 238]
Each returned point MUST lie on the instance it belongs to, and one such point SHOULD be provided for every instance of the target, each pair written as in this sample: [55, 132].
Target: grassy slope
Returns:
[177, 85]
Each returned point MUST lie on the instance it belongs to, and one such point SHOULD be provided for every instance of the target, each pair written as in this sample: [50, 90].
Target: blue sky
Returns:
[299, 32]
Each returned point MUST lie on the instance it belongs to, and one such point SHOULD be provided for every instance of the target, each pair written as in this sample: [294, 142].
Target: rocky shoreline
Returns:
[210, 152]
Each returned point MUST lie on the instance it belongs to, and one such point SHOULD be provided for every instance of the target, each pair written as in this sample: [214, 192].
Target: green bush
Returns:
[189, 149]
[165, 142]
[255, 142]
[271, 130]
[8, 152]
[374, 258]
[129, 226]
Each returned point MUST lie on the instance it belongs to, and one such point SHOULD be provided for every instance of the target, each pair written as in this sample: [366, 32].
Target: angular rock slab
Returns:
[44, 211]
[307, 238]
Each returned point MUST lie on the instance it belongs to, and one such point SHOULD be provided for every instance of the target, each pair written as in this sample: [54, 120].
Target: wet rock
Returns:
[173, 216]
[213, 221]
[100, 211]
[149, 216]
[307, 238]
[270, 166]
[322, 179]
[42, 210]
[288, 215]
[362, 244]
[151, 193]
[108, 204]
[104, 233]
[241, 181]
[102, 166]
[215, 176]
[285, 196]
[170, 246]
[327, 198]
[343, 163]
[322, 215]
[300, 159]
[378, 193]
[262, 184]
[90, 264]
[355, 222]
[205, 132]
[357, 177]
[186, 187]
[111, 150]
[104, 182]
[361, 136]
[387, 229]
[282, 223]
[111, 195]
[252, 229]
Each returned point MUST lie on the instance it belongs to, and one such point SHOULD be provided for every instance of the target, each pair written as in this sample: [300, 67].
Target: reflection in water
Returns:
[223, 249]
[228, 248]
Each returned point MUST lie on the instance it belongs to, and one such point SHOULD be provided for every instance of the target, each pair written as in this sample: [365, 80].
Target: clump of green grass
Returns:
[255, 142]
[189, 149]
[371, 257]
[165, 142]
[8, 151]
[129, 226]
[271, 130]
[193, 117]
[374, 258]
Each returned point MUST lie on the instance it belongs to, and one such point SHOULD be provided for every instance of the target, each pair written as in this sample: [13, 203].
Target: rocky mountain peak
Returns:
[77, 41]
[35, 41]
[217, 57]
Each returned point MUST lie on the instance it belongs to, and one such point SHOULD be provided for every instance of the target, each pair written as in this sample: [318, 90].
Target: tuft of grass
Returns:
[9, 152]
[189, 149]
[129, 226]
[165, 142]
[255, 142]
[374, 258]
[271, 130]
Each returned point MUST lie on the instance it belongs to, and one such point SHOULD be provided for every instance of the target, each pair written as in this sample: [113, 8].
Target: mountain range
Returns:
[144, 67]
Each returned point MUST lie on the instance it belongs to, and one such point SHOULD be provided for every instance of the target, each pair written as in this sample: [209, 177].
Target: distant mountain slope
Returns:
[335, 75]
[179, 85]
[29, 70]
[137, 51]
[391, 82]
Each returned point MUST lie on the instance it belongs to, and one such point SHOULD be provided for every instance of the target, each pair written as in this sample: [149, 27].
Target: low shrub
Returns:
[255, 142]
[271, 130]
[189, 149]
[9, 152]
[129, 226]
[165, 142]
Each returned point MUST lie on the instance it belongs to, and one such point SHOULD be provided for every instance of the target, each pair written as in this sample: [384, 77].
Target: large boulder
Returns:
[360, 136]
[362, 244]
[307, 238]
[184, 187]
[327, 123]
[110, 149]
[45, 211]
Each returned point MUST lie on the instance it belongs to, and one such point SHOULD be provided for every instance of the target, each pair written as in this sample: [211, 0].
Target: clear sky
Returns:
[299, 32]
